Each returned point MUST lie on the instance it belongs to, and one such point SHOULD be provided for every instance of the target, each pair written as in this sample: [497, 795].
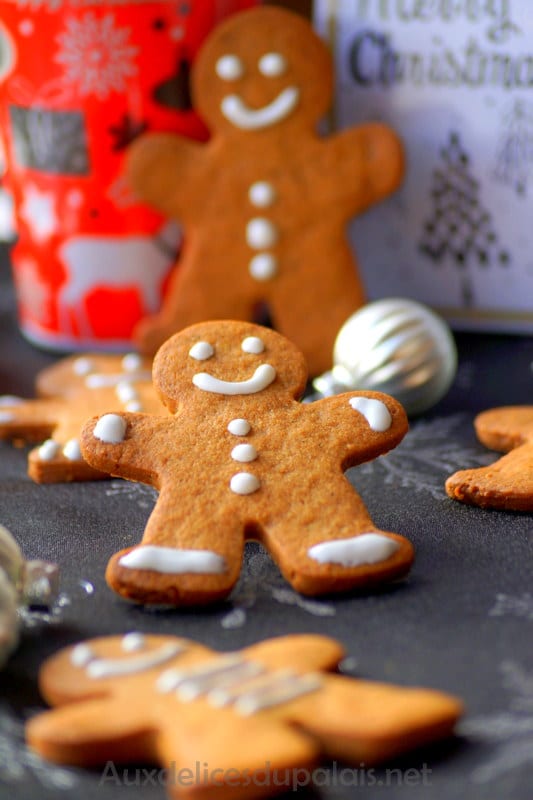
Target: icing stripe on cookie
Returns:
[367, 548]
[173, 561]
[249, 119]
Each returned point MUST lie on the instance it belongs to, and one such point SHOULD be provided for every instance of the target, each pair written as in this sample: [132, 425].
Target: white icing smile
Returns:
[239, 114]
[262, 377]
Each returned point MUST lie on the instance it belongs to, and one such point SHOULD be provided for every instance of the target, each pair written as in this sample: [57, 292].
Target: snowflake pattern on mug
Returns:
[96, 55]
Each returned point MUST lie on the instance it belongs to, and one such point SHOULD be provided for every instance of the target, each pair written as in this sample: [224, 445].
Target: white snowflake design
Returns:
[96, 55]
[18, 763]
[513, 605]
[33, 294]
[145, 496]
[261, 577]
[509, 733]
[427, 456]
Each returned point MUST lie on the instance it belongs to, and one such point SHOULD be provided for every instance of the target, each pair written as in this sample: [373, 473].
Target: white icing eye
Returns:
[229, 68]
[201, 351]
[253, 344]
[272, 64]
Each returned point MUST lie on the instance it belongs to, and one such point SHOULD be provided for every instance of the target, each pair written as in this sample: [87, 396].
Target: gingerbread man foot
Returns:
[508, 483]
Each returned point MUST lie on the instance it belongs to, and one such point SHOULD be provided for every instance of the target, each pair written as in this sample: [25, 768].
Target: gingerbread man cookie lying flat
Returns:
[265, 202]
[254, 719]
[240, 458]
[508, 483]
[71, 391]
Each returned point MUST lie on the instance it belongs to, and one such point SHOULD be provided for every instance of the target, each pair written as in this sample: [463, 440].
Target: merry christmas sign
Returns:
[456, 81]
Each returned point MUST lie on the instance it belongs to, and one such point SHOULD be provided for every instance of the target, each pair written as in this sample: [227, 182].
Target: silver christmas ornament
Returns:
[395, 346]
[22, 584]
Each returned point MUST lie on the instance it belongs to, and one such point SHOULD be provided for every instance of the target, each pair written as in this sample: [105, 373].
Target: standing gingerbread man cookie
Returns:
[265, 202]
[240, 459]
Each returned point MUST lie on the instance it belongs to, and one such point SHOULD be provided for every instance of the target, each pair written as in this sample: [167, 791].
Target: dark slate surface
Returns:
[462, 622]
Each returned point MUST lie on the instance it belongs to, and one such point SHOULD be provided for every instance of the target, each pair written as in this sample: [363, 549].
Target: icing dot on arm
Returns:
[110, 429]
[374, 411]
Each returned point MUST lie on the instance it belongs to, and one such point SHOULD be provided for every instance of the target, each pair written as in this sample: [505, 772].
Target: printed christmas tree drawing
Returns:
[459, 229]
[514, 162]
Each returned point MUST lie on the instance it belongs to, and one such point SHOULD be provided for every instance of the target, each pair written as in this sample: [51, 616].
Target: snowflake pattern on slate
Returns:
[145, 496]
[18, 763]
[509, 733]
[508, 605]
[261, 578]
[428, 454]
[96, 55]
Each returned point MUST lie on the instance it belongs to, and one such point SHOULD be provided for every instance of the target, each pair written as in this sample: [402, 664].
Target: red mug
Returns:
[79, 80]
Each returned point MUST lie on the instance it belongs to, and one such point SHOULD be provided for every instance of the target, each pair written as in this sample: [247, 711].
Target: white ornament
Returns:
[22, 583]
[396, 346]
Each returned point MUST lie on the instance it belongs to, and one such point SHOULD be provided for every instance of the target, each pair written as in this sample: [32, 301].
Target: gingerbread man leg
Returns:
[176, 563]
[336, 547]
[508, 483]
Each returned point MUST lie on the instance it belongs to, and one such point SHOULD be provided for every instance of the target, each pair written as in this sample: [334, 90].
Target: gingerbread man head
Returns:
[256, 70]
[212, 362]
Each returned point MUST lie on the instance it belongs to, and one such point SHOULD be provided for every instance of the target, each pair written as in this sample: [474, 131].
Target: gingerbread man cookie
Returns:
[253, 720]
[265, 202]
[241, 458]
[508, 483]
[71, 391]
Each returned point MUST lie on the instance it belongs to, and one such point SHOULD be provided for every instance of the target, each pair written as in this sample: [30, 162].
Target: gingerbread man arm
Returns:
[117, 444]
[359, 426]
[160, 167]
[114, 730]
[372, 162]
[27, 420]
[506, 484]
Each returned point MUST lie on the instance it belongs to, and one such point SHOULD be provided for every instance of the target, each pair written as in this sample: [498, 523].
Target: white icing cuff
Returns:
[110, 429]
[367, 548]
[374, 411]
[173, 561]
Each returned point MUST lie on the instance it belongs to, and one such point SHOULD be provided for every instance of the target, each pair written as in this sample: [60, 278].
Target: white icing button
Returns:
[49, 450]
[126, 392]
[134, 406]
[201, 351]
[261, 233]
[272, 64]
[110, 429]
[252, 344]
[81, 655]
[261, 194]
[6, 416]
[244, 483]
[72, 450]
[244, 453]
[229, 68]
[263, 266]
[131, 362]
[368, 548]
[133, 641]
[82, 366]
[239, 427]
[374, 411]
